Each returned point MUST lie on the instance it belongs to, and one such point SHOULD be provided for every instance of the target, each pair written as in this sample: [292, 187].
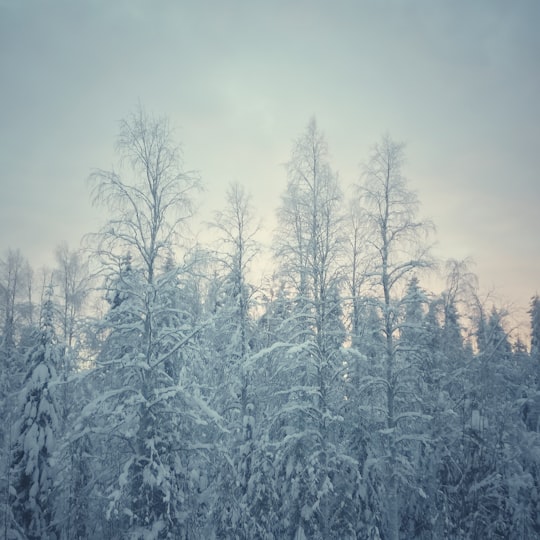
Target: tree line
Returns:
[154, 391]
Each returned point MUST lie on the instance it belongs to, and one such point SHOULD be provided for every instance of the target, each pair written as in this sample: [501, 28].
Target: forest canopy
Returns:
[155, 386]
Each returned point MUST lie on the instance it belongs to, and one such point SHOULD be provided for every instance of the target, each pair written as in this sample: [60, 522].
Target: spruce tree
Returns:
[33, 492]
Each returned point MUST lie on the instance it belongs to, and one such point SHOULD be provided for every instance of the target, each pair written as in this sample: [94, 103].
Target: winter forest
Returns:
[159, 387]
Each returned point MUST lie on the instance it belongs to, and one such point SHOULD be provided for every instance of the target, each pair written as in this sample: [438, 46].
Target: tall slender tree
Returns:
[535, 329]
[16, 318]
[396, 240]
[33, 491]
[304, 418]
[236, 249]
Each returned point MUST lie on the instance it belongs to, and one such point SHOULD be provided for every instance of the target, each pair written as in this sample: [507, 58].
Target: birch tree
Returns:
[396, 240]
[303, 420]
[147, 408]
[235, 230]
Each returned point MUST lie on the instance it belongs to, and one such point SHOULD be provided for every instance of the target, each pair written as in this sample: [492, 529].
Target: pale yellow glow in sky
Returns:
[458, 81]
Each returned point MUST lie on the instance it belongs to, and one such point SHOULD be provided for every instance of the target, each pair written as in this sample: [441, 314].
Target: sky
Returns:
[457, 81]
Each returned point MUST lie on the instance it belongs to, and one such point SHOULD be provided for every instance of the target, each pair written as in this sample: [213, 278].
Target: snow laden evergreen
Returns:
[33, 489]
[16, 323]
[15, 317]
[490, 415]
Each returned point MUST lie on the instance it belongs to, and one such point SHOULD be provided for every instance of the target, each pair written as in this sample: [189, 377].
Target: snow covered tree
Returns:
[396, 240]
[303, 419]
[72, 277]
[412, 337]
[32, 491]
[148, 410]
[355, 276]
[72, 283]
[16, 312]
[535, 329]
[486, 467]
[233, 330]
[16, 306]
[16, 315]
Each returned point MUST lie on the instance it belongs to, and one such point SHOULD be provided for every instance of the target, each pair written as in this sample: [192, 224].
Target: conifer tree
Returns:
[33, 492]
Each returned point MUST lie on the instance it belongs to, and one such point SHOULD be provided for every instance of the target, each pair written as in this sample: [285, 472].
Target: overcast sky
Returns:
[458, 81]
